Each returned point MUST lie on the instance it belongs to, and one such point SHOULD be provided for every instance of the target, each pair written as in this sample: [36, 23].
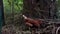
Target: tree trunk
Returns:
[43, 9]
[1, 15]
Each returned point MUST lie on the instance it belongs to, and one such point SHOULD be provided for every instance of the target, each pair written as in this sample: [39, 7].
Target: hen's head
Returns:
[24, 17]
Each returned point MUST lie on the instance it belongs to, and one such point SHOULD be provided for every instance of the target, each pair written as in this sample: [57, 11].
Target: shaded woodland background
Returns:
[36, 9]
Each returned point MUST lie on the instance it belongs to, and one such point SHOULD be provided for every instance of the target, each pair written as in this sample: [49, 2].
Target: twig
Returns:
[57, 30]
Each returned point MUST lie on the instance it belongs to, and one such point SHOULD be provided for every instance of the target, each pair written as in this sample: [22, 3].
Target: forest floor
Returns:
[11, 29]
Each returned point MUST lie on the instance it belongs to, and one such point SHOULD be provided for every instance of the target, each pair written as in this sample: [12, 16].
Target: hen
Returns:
[32, 22]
